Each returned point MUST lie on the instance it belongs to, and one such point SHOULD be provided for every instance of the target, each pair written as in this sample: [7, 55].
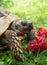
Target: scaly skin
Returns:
[14, 44]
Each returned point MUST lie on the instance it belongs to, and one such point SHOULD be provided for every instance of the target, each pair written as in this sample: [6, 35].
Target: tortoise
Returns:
[13, 29]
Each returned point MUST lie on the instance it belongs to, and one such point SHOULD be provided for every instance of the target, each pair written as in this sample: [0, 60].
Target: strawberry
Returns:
[41, 32]
[42, 45]
[32, 47]
[38, 44]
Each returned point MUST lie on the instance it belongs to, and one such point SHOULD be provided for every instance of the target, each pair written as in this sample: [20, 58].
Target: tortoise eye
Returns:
[16, 26]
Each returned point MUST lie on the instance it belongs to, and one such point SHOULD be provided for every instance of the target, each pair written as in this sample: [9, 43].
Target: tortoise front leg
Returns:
[14, 44]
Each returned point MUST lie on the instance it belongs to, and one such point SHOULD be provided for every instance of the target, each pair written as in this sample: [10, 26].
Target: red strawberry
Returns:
[41, 32]
[42, 45]
[32, 46]
[38, 44]
[38, 39]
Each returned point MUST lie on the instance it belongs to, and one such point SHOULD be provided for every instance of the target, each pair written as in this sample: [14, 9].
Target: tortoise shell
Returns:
[6, 19]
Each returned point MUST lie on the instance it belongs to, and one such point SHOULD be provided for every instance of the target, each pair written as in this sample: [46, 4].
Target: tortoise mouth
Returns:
[26, 29]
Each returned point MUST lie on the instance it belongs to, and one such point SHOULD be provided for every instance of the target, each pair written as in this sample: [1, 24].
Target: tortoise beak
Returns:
[26, 29]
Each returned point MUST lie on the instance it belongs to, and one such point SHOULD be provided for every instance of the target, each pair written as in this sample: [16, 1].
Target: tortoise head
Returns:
[22, 26]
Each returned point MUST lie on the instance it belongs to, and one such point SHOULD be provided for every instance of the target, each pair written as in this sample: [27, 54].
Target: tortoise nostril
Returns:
[23, 23]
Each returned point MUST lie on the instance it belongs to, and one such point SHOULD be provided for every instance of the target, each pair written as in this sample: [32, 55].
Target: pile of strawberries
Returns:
[39, 43]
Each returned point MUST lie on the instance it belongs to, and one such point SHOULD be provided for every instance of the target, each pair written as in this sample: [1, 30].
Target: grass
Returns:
[36, 11]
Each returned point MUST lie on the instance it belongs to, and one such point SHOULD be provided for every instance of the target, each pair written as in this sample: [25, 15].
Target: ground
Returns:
[36, 11]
